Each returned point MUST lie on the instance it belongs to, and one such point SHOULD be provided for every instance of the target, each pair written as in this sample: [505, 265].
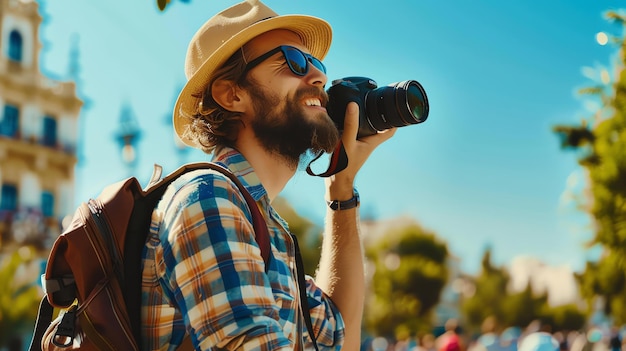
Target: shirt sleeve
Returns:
[328, 326]
[213, 269]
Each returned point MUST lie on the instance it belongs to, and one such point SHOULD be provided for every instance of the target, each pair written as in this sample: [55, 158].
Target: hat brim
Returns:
[316, 35]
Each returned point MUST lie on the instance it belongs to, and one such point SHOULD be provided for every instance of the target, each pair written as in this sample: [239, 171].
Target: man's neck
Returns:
[273, 171]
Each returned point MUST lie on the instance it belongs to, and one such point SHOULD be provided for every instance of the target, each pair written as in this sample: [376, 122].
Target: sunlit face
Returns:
[290, 115]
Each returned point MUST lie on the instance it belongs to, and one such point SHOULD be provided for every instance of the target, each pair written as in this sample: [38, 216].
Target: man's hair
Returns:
[212, 126]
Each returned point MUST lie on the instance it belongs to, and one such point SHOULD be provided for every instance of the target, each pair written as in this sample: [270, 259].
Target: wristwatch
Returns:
[337, 205]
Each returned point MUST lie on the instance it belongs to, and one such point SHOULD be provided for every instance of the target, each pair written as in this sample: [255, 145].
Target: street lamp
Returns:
[127, 137]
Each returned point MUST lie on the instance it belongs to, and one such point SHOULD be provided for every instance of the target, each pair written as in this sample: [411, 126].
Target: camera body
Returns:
[344, 91]
[396, 105]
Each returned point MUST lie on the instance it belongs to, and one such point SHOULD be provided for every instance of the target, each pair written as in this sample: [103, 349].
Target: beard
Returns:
[289, 132]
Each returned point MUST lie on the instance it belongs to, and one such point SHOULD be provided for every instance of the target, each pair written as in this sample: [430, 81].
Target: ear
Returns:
[227, 94]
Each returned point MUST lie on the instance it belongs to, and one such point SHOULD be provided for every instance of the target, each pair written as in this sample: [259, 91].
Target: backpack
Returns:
[93, 271]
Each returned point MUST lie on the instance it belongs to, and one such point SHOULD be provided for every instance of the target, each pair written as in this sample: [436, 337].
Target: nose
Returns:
[315, 76]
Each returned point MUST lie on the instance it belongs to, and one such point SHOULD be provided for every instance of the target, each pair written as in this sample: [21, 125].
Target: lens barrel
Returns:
[396, 105]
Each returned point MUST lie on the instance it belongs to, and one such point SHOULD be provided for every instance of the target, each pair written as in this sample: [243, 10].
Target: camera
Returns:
[396, 105]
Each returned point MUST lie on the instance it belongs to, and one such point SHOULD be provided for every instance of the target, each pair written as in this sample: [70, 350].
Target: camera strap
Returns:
[338, 162]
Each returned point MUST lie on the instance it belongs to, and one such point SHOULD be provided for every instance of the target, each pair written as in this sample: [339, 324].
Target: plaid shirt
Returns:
[203, 273]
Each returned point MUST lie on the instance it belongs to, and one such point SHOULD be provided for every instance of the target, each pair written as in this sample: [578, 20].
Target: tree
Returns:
[410, 273]
[488, 299]
[563, 318]
[309, 235]
[19, 298]
[520, 308]
[601, 145]
[494, 300]
[606, 278]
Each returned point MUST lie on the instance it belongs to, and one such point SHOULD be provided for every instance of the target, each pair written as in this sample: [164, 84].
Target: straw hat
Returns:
[223, 34]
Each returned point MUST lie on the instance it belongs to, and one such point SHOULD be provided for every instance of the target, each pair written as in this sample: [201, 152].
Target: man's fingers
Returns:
[384, 135]
[351, 122]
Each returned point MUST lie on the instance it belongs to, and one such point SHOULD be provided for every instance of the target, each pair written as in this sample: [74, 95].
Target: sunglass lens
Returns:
[318, 64]
[296, 61]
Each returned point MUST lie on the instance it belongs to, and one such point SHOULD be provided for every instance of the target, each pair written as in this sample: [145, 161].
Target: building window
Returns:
[8, 201]
[15, 46]
[49, 131]
[47, 204]
[8, 125]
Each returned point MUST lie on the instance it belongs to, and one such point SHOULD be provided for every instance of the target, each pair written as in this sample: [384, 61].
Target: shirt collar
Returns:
[236, 162]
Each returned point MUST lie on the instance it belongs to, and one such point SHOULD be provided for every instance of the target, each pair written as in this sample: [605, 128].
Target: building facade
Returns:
[38, 134]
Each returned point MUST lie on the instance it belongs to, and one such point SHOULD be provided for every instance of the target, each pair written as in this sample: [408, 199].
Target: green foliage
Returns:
[606, 278]
[604, 158]
[18, 298]
[309, 235]
[519, 309]
[574, 137]
[615, 17]
[508, 308]
[491, 285]
[565, 317]
[162, 4]
[409, 274]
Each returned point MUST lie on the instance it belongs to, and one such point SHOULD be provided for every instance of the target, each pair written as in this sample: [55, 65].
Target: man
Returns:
[450, 340]
[255, 99]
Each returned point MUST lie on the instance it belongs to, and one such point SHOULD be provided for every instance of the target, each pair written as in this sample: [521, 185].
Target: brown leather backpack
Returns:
[93, 272]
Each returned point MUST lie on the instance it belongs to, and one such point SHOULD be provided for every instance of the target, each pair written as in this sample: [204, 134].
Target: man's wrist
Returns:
[337, 205]
[339, 188]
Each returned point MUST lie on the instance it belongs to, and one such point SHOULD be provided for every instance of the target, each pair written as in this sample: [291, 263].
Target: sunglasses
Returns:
[297, 60]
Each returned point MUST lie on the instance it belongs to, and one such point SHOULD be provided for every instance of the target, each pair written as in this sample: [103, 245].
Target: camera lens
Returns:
[417, 102]
[397, 105]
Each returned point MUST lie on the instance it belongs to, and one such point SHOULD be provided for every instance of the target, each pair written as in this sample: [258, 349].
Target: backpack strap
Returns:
[44, 318]
[304, 300]
[258, 222]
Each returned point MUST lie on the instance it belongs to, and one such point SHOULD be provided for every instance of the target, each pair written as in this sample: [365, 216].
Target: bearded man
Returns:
[255, 99]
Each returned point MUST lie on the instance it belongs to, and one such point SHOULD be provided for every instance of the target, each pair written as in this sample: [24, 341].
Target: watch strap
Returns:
[337, 205]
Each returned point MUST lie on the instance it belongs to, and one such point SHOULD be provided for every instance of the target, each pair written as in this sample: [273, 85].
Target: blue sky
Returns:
[483, 170]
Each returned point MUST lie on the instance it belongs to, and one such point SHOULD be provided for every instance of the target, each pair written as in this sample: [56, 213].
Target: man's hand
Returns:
[340, 185]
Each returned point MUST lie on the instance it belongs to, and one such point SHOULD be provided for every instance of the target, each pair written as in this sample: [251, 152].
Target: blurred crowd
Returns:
[535, 337]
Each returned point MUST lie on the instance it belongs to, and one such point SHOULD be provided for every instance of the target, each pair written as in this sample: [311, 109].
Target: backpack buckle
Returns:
[64, 335]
